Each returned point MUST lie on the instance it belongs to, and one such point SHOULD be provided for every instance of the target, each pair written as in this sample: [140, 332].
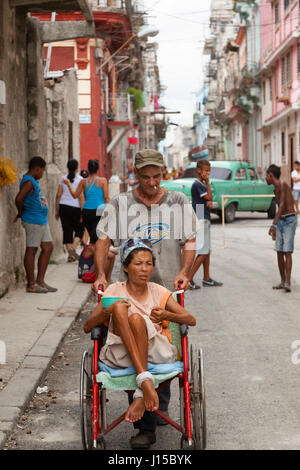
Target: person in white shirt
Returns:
[296, 184]
[68, 210]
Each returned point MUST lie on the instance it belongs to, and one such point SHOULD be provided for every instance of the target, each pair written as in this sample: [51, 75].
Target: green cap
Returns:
[148, 157]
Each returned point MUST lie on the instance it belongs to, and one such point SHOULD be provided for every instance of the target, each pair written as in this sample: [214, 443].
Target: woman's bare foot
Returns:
[151, 400]
[135, 410]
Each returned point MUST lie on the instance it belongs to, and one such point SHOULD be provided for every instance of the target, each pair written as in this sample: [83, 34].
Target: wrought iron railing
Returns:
[114, 4]
[119, 107]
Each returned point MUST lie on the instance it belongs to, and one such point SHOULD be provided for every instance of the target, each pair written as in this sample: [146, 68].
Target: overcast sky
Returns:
[183, 27]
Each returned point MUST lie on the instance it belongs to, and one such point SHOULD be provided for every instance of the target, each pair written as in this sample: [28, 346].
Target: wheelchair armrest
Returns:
[96, 333]
[184, 330]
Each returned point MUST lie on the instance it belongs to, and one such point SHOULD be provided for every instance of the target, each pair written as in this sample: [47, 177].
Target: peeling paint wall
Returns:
[34, 120]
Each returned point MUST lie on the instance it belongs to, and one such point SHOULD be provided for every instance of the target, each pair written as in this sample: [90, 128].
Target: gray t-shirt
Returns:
[169, 224]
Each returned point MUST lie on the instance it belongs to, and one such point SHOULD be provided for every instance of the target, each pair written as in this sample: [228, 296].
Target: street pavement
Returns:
[32, 327]
[246, 330]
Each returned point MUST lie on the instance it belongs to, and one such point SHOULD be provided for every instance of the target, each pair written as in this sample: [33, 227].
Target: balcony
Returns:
[117, 6]
[210, 43]
[215, 132]
[47, 6]
[112, 21]
[119, 114]
[280, 51]
[118, 118]
[210, 107]
[231, 83]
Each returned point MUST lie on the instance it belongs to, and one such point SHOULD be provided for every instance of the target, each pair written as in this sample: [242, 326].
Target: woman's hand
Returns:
[157, 315]
[122, 302]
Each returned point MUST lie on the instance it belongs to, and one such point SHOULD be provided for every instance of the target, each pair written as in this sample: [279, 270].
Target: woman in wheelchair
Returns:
[137, 331]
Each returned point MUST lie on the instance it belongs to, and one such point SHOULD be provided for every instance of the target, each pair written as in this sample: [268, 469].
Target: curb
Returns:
[22, 386]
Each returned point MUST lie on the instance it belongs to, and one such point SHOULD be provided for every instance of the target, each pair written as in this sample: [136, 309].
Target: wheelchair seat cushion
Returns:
[115, 379]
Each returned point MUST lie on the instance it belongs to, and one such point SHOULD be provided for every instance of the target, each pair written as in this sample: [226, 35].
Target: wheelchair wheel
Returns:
[86, 400]
[198, 402]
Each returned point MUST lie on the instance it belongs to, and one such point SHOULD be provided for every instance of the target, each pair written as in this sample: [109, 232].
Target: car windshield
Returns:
[215, 173]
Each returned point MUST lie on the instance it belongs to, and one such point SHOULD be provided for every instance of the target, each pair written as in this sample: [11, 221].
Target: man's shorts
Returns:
[296, 194]
[285, 234]
[36, 234]
[203, 244]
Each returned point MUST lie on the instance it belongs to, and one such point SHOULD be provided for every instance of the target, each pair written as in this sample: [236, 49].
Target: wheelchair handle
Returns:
[180, 300]
[100, 292]
[96, 333]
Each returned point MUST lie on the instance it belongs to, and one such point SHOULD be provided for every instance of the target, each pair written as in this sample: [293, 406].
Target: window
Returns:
[298, 57]
[282, 144]
[288, 68]
[270, 89]
[276, 82]
[283, 71]
[252, 174]
[276, 13]
[286, 4]
[240, 174]
[264, 92]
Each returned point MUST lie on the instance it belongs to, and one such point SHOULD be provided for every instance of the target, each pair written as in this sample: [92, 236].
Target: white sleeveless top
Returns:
[67, 198]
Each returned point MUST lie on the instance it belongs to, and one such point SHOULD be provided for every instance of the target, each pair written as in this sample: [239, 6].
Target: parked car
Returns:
[230, 177]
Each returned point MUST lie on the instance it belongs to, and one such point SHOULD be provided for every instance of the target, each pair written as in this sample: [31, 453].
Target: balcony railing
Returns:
[108, 4]
[119, 108]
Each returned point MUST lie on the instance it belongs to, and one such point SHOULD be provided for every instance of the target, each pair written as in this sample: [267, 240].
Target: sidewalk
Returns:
[32, 327]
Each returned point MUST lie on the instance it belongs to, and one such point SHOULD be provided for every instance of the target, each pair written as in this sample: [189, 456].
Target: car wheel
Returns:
[230, 213]
[272, 209]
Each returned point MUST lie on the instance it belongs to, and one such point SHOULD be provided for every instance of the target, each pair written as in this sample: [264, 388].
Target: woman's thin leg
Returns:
[134, 335]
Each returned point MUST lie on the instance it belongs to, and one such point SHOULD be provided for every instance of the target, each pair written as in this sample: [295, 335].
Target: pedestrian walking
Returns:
[284, 226]
[33, 210]
[68, 210]
[202, 200]
[130, 178]
[95, 190]
[85, 238]
[296, 185]
[173, 246]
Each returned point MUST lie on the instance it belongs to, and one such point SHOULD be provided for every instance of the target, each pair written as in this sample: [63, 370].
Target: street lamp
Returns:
[147, 30]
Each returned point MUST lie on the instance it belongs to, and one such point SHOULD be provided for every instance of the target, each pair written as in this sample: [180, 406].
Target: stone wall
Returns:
[62, 126]
[13, 135]
[34, 120]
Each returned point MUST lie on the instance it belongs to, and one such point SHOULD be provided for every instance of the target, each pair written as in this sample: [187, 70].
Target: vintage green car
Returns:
[230, 177]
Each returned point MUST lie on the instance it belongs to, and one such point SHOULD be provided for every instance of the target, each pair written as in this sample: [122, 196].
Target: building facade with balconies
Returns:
[280, 78]
[106, 110]
[234, 91]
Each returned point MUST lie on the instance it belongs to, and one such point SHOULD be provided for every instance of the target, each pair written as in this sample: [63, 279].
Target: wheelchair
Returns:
[94, 385]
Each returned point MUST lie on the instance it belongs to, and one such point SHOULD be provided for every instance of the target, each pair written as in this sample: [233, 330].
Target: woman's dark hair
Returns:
[93, 166]
[130, 257]
[72, 166]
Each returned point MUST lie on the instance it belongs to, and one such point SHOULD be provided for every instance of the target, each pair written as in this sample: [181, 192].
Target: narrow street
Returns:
[246, 330]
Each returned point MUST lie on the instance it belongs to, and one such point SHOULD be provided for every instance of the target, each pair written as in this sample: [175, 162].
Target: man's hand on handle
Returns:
[183, 280]
[100, 284]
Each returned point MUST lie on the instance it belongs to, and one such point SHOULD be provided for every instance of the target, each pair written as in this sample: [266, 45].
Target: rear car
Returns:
[233, 179]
